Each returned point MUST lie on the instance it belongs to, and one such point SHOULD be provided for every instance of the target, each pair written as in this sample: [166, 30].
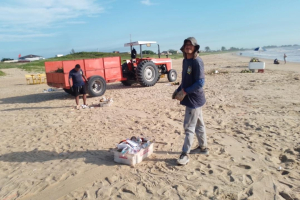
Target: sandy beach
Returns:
[51, 151]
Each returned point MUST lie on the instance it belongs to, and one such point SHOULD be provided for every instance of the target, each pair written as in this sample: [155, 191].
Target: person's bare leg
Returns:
[84, 99]
[77, 101]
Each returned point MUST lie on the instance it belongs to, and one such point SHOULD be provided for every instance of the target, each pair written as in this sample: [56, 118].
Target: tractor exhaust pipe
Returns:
[158, 51]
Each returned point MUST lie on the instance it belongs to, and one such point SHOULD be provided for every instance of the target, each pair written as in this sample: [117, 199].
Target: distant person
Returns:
[276, 61]
[191, 95]
[284, 57]
[133, 53]
[78, 86]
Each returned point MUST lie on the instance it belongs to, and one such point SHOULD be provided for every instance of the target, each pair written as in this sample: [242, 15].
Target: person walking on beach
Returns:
[284, 57]
[191, 95]
[78, 86]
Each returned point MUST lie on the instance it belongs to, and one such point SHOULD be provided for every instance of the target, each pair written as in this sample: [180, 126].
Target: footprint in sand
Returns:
[250, 192]
[230, 177]
[289, 185]
[244, 166]
[247, 180]
[216, 190]
[285, 172]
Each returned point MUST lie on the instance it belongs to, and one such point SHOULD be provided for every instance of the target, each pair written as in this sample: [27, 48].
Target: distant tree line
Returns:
[148, 52]
[275, 46]
[207, 49]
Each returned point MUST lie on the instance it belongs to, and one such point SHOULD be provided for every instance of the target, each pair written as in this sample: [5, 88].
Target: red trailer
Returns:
[99, 71]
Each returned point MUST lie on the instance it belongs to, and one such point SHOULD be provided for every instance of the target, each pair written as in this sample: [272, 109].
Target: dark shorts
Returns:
[77, 90]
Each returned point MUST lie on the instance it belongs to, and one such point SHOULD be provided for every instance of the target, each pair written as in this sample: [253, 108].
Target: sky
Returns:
[50, 27]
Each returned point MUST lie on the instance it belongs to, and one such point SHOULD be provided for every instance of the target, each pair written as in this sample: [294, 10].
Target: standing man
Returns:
[284, 57]
[190, 94]
[78, 86]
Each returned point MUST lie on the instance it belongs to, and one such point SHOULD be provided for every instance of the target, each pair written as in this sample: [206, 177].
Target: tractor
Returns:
[146, 71]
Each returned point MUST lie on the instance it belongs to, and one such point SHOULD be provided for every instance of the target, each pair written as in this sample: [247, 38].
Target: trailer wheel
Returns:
[96, 86]
[172, 75]
[147, 73]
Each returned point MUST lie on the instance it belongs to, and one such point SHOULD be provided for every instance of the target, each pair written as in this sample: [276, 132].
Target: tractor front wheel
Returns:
[147, 73]
[96, 86]
[172, 75]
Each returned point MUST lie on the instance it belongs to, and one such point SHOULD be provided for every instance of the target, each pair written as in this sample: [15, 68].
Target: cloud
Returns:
[38, 15]
[14, 37]
[147, 2]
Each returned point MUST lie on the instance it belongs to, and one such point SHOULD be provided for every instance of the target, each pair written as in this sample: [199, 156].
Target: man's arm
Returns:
[198, 75]
[70, 78]
[197, 85]
[70, 82]
[84, 76]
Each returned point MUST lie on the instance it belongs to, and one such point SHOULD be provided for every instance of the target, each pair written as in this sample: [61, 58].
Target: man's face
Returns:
[189, 48]
[77, 69]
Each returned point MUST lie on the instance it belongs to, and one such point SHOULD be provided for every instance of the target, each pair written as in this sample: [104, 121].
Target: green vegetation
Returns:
[5, 59]
[2, 73]
[246, 71]
[172, 51]
[39, 65]
[148, 52]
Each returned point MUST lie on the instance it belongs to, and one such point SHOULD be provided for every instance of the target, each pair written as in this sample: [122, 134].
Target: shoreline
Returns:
[269, 59]
[289, 66]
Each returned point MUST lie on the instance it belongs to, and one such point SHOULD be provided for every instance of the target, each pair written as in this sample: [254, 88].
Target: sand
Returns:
[51, 151]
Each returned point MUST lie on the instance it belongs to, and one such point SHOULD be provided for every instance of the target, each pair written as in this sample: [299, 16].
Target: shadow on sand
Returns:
[98, 157]
[60, 94]
[35, 98]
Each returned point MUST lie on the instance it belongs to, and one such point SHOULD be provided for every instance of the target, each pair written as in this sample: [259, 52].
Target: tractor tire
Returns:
[96, 86]
[172, 75]
[147, 73]
[68, 91]
[158, 78]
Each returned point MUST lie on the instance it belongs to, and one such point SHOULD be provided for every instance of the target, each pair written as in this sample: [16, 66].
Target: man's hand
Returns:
[179, 95]
[174, 94]
[71, 87]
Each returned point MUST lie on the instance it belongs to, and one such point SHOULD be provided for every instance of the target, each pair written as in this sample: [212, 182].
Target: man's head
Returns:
[190, 47]
[77, 67]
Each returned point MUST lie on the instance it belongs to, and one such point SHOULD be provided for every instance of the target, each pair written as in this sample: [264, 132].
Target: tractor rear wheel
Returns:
[147, 73]
[172, 75]
[158, 78]
[96, 86]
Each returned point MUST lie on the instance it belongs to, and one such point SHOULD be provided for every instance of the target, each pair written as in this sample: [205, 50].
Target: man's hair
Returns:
[77, 66]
